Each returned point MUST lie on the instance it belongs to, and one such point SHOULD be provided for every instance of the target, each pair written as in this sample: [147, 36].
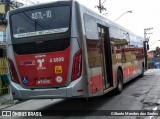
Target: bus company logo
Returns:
[40, 64]
[6, 113]
[27, 63]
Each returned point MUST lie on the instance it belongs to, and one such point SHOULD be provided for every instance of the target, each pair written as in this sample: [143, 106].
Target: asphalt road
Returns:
[138, 94]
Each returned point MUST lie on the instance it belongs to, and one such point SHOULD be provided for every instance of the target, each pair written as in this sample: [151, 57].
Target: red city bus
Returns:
[64, 50]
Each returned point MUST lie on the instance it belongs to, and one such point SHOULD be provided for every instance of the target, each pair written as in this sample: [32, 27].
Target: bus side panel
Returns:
[95, 67]
[95, 83]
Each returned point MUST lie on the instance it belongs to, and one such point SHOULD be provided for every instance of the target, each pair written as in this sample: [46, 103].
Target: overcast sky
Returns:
[145, 14]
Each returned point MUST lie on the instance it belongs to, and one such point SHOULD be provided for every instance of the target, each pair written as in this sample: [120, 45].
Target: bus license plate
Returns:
[43, 81]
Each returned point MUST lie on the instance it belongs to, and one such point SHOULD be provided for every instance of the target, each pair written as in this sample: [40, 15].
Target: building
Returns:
[4, 82]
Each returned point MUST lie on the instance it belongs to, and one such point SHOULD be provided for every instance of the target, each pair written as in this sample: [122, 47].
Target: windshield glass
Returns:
[41, 21]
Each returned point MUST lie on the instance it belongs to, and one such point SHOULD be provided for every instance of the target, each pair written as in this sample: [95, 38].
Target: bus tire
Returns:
[142, 74]
[119, 87]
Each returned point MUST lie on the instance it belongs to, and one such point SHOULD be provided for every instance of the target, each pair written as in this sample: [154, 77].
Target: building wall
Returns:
[2, 27]
[2, 12]
[2, 9]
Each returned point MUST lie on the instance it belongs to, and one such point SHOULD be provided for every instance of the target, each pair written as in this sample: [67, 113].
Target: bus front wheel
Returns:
[119, 82]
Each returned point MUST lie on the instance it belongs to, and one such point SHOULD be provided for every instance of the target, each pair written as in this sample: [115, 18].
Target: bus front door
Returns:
[105, 57]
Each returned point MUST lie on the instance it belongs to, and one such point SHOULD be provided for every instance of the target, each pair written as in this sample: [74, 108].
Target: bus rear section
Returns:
[45, 62]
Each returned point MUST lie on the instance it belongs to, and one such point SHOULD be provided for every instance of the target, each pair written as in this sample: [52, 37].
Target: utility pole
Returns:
[7, 6]
[100, 6]
[145, 45]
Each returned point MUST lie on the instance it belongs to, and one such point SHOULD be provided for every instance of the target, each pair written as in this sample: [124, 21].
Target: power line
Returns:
[104, 2]
[28, 1]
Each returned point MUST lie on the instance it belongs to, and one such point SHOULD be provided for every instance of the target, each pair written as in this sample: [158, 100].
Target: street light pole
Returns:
[100, 6]
[145, 44]
[7, 6]
[145, 32]
[123, 14]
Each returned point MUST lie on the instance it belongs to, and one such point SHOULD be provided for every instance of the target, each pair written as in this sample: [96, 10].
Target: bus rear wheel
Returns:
[119, 87]
[142, 74]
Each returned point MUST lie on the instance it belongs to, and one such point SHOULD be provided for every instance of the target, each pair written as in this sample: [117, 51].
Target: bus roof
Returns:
[87, 10]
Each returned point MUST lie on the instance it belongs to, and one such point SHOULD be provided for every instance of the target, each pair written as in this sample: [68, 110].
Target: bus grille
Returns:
[46, 46]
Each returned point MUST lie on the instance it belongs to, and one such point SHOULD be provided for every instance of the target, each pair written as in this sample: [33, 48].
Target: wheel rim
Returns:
[120, 81]
[120, 86]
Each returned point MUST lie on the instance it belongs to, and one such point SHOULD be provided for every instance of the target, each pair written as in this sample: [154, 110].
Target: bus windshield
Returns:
[41, 21]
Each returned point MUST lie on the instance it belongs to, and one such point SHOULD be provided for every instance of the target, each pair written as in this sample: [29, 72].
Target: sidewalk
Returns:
[6, 100]
[152, 100]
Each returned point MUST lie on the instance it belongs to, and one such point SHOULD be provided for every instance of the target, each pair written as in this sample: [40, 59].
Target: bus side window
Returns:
[112, 47]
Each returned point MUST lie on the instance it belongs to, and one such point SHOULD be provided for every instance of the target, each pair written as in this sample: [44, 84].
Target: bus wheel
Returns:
[142, 74]
[119, 82]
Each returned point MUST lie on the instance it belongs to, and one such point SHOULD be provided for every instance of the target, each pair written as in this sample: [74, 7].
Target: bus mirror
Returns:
[147, 46]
